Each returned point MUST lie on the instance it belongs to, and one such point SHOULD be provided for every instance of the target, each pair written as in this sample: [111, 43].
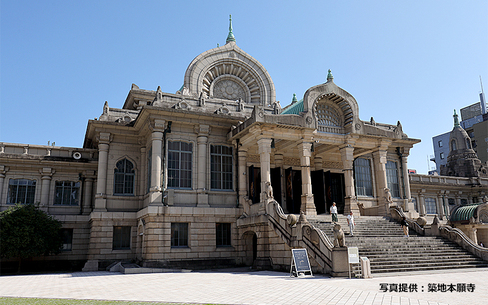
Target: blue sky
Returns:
[412, 61]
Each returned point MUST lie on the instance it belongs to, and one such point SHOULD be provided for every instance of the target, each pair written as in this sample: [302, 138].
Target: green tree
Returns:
[26, 232]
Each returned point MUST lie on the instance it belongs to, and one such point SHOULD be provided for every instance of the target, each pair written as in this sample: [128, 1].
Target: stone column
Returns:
[440, 204]
[406, 180]
[87, 195]
[46, 176]
[243, 202]
[202, 139]
[3, 171]
[155, 194]
[264, 146]
[445, 207]
[307, 204]
[422, 203]
[347, 162]
[317, 163]
[472, 233]
[380, 160]
[143, 171]
[104, 139]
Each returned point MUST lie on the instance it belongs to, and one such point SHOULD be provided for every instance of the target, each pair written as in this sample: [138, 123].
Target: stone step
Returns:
[383, 242]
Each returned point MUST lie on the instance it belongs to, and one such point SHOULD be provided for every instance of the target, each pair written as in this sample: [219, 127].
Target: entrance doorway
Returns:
[250, 247]
[328, 187]
[293, 190]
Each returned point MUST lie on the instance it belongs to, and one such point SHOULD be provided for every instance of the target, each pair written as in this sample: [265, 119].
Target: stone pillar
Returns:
[46, 176]
[203, 131]
[307, 205]
[243, 202]
[264, 146]
[87, 195]
[317, 161]
[143, 171]
[422, 203]
[472, 234]
[380, 160]
[104, 139]
[406, 180]
[347, 162]
[440, 204]
[3, 171]
[445, 205]
[155, 194]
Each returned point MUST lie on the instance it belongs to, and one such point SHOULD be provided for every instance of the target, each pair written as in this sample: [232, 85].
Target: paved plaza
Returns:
[241, 286]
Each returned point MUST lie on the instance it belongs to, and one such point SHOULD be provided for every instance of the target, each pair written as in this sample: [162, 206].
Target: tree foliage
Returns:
[26, 232]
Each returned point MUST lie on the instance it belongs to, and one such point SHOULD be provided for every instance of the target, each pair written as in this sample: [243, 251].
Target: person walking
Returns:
[351, 223]
[404, 226]
[333, 212]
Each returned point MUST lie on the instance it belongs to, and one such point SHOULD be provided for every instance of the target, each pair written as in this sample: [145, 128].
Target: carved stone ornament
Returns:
[358, 126]
[308, 120]
[228, 89]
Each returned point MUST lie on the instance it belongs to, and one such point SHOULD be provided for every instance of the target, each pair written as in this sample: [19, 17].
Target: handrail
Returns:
[459, 237]
[411, 223]
[314, 240]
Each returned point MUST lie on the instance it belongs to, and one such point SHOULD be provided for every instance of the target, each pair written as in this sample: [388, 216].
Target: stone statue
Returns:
[338, 236]
[269, 190]
[388, 197]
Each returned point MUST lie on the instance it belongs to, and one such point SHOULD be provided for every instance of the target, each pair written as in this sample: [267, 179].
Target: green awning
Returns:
[464, 213]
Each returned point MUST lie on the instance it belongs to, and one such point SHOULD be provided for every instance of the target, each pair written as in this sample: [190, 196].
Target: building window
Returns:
[121, 239]
[362, 177]
[464, 201]
[453, 145]
[67, 193]
[179, 164]
[67, 237]
[21, 191]
[221, 167]
[179, 234]
[451, 201]
[440, 143]
[223, 234]
[442, 155]
[430, 206]
[392, 178]
[124, 178]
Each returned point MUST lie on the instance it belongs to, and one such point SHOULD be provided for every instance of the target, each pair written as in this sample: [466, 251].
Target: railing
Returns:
[301, 234]
[397, 214]
[458, 236]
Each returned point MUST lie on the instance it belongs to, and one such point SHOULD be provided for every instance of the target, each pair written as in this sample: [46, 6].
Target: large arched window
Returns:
[124, 178]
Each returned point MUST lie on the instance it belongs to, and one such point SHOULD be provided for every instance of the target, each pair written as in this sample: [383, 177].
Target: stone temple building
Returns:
[205, 176]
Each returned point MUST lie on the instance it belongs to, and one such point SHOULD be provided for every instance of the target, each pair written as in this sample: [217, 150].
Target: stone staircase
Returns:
[382, 241]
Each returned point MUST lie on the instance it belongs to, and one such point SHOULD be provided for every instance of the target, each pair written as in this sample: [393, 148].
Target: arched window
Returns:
[453, 145]
[124, 178]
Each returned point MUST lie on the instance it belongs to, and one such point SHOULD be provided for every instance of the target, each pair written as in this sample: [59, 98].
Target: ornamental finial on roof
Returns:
[329, 76]
[294, 99]
[230, 37]
[456, 120]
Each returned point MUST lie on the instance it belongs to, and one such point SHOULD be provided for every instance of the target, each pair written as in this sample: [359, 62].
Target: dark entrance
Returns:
[276, 184]
[335, 191]
[318, 190]
[254, 183]
[293, 190]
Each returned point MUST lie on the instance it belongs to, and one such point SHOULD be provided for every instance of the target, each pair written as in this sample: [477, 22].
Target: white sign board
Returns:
[353, 255]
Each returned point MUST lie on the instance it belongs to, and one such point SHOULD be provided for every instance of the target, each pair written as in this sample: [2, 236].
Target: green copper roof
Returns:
[294, 108]
[456, 120]
[464, 213]
[230, 37]
[329, 76]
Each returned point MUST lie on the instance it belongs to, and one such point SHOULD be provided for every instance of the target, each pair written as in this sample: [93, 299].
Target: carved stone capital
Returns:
[202, 129]
[104, 138]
